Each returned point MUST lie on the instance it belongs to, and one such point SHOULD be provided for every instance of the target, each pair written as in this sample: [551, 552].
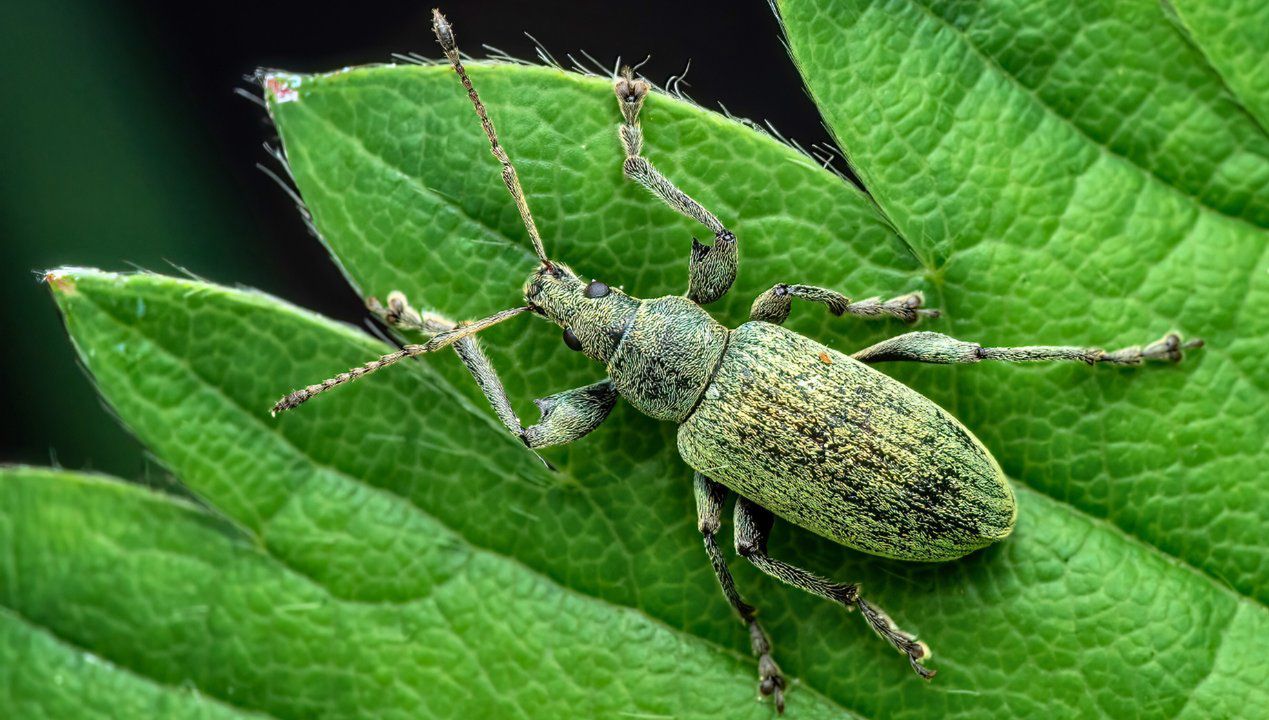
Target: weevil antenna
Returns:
[445, 36]
[439, 341]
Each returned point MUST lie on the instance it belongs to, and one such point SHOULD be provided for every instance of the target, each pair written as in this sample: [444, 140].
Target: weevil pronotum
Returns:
[794, 428]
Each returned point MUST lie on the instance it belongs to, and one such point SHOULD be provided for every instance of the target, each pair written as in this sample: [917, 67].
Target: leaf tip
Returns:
[61, 281]
[280, 87]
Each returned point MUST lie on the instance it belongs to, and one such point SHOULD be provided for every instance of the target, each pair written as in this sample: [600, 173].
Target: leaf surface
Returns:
[68, 518]
[1231, 35]
[1076, 176]
[381, 493]
[345, 601]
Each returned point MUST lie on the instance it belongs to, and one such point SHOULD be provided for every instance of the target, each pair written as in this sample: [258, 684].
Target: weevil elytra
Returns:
[793, 428]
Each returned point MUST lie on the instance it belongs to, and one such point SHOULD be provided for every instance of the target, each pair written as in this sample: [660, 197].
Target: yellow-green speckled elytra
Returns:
[794, 428]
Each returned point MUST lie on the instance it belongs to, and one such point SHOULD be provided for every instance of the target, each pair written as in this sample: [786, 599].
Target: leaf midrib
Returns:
[1175, 17]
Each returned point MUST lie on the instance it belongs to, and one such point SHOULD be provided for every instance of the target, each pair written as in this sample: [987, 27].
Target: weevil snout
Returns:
[548, 286]
[592, 314]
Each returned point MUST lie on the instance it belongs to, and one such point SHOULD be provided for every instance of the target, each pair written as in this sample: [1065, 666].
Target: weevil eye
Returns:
[596, 289]
[571, 340]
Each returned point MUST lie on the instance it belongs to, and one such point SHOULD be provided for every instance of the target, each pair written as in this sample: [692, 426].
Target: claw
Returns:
[1170, 347]
[909, 307]
[772, 682]
[906, 643]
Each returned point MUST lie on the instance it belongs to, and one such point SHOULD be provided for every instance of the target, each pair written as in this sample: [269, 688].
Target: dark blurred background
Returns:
[123, 144]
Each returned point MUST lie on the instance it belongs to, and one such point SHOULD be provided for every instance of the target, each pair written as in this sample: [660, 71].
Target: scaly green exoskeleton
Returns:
[794, 428]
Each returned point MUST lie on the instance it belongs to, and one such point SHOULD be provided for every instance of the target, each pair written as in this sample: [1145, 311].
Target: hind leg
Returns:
[753, 526]
[709, 507]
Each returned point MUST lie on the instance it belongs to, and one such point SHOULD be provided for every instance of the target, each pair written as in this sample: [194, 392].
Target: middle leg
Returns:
[773, 306]
[940, 349]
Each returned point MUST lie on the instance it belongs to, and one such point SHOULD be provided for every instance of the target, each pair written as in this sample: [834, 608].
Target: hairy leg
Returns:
[773, 306]
[711, 269]
[709, 507]
[937, 348]
[566, 416]
[753, 526]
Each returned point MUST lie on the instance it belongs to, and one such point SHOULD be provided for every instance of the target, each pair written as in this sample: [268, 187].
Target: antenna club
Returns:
[444, 34]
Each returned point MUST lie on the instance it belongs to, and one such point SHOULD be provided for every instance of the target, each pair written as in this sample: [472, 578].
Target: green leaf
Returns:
[328, 596]
[566, 159]
[1232, 36]
[72, 517]
[383, 565]
[1070, 185]
[409, 558]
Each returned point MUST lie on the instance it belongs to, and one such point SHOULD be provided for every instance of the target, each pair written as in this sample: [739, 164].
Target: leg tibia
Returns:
[640, 170]
[753, 525]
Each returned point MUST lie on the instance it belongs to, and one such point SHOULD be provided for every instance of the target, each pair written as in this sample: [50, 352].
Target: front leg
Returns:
[571, 414]
[712, 268]
[773, 306]
[566, 416]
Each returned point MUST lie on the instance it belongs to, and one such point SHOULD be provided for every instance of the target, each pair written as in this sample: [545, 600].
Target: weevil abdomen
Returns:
[845, 451]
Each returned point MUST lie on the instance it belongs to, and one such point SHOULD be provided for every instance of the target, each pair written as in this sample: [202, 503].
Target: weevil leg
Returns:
[712, 268]
[566, 416]
[398, 313]
[773, 305]
[753, 526]
[937, 348]
[439, 341]
[709, 509]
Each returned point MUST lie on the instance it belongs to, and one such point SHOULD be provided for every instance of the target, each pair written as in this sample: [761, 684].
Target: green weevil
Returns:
[792, 427]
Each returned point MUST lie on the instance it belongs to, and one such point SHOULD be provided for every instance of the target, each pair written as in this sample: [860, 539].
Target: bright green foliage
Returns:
[1081, 190]
[69, 520]
[389, 551]
[1232, 35]
[131, 602]
[383, 568]
[397, 554]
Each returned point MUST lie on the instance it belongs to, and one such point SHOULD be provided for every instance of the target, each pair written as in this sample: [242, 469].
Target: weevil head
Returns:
[592, 314]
